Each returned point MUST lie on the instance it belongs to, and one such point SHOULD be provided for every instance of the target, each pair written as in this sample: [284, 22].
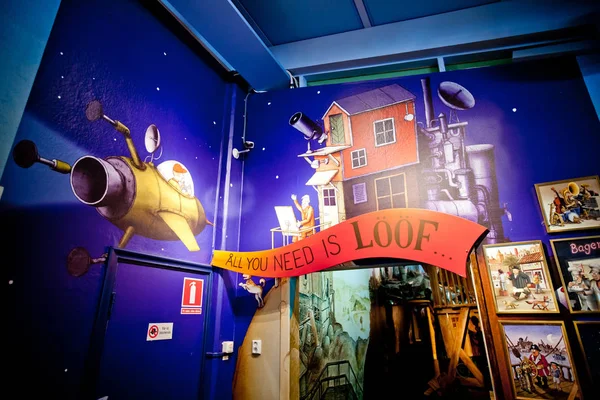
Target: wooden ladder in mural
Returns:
[453, 325]
[454, 303]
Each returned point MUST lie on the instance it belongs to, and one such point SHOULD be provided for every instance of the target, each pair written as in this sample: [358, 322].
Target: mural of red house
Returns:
[369, 161]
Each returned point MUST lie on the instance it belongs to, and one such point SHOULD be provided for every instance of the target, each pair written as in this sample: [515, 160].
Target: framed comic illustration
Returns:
[570, 204]
[540, 359]
[578, 261]
[519, 277]
[588, 335]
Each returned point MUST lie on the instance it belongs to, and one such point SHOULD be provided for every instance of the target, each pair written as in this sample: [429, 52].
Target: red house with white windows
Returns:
[370, 159]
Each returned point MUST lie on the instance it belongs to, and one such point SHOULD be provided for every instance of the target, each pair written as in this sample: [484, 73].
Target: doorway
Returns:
[149, 336]
[330, 208]
[414, 327]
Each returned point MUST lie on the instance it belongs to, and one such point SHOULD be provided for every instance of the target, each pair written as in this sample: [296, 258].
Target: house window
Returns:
[329, 197]
[360, 193]
[384, 132]
[391, 192]
[359, 158]
[336, 126]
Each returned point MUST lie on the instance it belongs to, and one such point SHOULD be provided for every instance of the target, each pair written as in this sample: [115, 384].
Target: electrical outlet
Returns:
[256, 346]
[227, 347]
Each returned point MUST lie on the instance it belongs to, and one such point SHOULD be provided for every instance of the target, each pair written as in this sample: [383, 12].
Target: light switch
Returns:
[256, 346]
[227, 347]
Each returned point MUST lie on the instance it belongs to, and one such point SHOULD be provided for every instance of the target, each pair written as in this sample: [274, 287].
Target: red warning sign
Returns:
[153, 331]
[191, 298]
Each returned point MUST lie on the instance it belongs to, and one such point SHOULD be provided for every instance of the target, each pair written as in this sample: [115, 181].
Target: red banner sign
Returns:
[420, 235]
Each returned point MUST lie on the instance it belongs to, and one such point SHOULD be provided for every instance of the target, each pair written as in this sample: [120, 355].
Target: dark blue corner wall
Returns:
[123, 54]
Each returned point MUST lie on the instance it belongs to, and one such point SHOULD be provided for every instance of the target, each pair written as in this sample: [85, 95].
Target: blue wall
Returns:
[551, 105]
[121, 54]
[538, 115]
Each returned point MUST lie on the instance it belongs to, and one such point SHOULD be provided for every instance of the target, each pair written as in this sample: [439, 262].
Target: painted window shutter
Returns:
[336, 123]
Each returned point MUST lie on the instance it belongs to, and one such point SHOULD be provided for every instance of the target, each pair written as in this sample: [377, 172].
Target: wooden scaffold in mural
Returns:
[447, 318]
[454, 311]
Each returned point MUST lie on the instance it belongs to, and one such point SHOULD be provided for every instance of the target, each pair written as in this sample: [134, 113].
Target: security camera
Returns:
[248, 144]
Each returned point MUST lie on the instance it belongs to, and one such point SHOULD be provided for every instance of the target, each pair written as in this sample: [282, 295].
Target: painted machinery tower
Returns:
[459, 179]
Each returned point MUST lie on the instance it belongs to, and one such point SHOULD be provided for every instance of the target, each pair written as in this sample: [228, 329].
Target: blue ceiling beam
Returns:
[477, 28]
[362, 12]
[224, 32]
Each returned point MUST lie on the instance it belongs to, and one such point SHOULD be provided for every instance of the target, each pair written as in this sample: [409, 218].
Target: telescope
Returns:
[310, 129]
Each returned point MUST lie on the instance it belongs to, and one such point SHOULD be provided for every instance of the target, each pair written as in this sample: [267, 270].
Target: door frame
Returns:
[105, 302]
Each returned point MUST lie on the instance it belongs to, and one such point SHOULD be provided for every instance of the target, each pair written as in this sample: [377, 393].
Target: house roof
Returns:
[376, 98]
[531, 258]
[321, 178]
[325, 151]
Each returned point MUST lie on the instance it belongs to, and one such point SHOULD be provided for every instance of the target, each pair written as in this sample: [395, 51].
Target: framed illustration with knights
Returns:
[540, 360]
[578, 263]
[519, 278]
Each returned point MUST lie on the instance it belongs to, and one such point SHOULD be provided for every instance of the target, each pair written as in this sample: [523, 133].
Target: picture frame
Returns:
[520, 279]
[570, 204]
[578, 263]
[540, 360]
[588, 336]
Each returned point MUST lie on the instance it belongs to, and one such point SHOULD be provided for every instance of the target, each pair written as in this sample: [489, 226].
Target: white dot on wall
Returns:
[11, 282]
[62, 77]
[231, 185]
[269, 103]
[263, 149]
[276, 176]
[184, 138]
[165, 53]
[66, 369]
[93, 79]
[157, 88]
[59, 97]
[61, 53]
[196, 158]
[318, 92]
[115, 139]
[162, 248]
[514, 110]
[214, 122]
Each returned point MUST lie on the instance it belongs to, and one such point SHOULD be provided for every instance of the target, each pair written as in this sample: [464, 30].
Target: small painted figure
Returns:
[308, 216]
[556, 374]
[541, 364]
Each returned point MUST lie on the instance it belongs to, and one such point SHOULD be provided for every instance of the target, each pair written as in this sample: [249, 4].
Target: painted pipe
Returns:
[425, 85]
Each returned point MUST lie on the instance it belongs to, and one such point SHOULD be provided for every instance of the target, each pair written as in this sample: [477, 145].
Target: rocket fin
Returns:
[180, 227]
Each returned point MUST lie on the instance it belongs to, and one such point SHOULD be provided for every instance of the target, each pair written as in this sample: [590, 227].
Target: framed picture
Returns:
[571, 204]
[520, 279]
[588, 334]
[578, 261]
[540, 360]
